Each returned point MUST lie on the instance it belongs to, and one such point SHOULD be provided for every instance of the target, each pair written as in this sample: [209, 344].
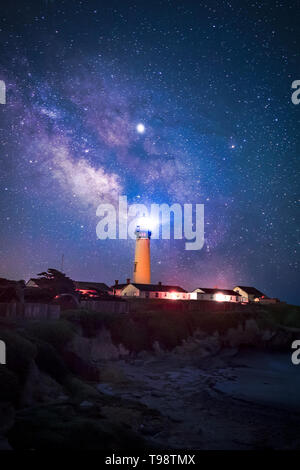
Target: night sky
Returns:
[210, 81]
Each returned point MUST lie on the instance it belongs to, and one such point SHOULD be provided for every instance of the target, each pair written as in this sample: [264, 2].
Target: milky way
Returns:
[212, 87]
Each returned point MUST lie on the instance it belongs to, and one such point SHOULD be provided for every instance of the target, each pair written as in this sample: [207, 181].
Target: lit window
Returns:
[220, 297]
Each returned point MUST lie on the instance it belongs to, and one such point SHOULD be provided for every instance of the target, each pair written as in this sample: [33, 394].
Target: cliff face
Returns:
[128, 375]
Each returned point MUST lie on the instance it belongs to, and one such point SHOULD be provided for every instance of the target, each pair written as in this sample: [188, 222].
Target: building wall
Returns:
[169, 295]
[117, 292]
[246, 297]
[200, 295]
[132, 291]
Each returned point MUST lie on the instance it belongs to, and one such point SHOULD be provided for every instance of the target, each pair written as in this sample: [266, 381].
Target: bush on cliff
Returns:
[49, 361]
[90, 322]
[131, 334]
[284, 314]
[55, 332]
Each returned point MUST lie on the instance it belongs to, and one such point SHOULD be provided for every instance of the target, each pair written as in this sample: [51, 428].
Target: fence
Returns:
[29, 310]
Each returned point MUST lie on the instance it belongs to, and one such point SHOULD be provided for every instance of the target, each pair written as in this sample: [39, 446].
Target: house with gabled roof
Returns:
[250, 294]
[215, 294]
[150, 291]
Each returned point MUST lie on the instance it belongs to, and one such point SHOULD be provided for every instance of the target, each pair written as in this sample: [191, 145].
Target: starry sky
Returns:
[210, 81]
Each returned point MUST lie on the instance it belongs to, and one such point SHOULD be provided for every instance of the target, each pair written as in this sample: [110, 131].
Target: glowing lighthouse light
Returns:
[147, 223]
[140, 128]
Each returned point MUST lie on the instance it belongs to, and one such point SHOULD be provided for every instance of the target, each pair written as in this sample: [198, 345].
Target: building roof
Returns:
[151, 287]
[39, 282]
[87, 285]
[251, 291]
[208, 290]
[119, 286]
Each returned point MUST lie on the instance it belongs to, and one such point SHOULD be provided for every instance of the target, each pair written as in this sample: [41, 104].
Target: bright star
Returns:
[140, 128]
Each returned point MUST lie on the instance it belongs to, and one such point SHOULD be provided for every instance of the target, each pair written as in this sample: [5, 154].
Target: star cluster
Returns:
[162, 101]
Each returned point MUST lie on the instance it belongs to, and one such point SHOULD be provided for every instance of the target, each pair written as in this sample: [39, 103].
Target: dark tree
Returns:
[11, 291]
[56, 282]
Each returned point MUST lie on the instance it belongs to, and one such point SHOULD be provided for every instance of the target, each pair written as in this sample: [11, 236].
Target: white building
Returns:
[149, 291]
[217, 295]
[251, 294]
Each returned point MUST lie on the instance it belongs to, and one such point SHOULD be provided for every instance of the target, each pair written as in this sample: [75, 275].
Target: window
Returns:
[135, 267]
[156, 294]
[211, 296]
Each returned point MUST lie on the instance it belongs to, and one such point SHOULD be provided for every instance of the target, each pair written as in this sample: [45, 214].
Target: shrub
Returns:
[49, 361]
[112, 373]
[168, 329]
[130, 333]
[55, 332]
[282, 314]
[80, 390]
[89, 321]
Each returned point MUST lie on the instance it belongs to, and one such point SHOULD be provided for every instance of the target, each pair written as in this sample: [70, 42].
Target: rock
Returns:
[150, 430]
[81, 366]
[157, 394]
[106, 389]
[39, 387]
[7, 414]
[86, 404]
[158, 351]
[63, 397]
[199, 345]
[98, 348]
[4, 444]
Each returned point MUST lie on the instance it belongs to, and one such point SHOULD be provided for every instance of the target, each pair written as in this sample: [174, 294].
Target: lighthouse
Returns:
[142, 270]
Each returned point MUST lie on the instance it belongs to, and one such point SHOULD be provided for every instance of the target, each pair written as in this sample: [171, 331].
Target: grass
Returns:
[90, 322]
[55, 332]
[138, 331]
